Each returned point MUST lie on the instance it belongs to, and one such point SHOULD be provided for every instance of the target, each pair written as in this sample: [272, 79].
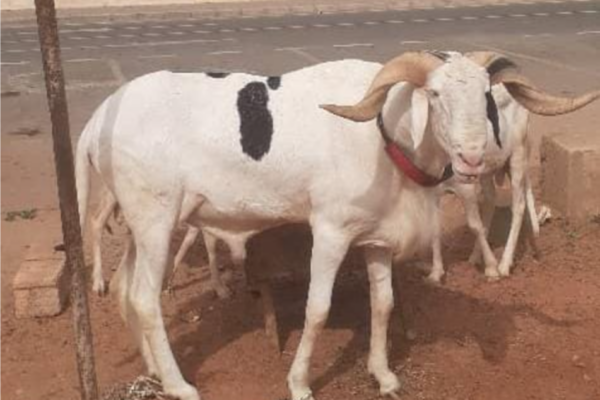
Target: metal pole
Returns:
[63, 160]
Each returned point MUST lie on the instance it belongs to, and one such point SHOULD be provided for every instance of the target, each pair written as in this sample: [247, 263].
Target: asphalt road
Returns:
[100, 53]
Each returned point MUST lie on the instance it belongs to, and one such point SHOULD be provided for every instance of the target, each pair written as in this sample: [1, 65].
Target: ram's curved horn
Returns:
[536, 100]
[409, 67]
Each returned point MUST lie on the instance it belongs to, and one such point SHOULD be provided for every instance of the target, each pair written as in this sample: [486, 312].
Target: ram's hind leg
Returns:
[152, 226]
[188, 241]
[120, 285]
[217, 284]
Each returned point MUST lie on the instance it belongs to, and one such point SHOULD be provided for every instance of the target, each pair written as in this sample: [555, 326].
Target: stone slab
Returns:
[41, 287]
[571, 174]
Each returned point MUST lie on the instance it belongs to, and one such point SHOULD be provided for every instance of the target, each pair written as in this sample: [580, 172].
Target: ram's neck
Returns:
[430, 157]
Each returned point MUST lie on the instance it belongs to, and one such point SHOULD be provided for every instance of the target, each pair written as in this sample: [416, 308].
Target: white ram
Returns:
[236, 154]
[507, 152]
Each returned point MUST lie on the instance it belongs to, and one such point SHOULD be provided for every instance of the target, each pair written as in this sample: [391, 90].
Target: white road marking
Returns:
[564, 13]
[349, 45]
[9, 42]
[73, 24]
[210, 24]
[272, 28]
[86, 30]
[538, 35]
[306, 55]
[469, 18]
[126, 35]
[394, 21]
[248, 29]
[420, 20]
[226, 30]
[372, 23]
[493, 16]
[186, 25]
[15, 51]
[444, 19]
[159, 27]
[133, 28]
[202, 32]
[345, 24]
[81, 60]
[26, 33]
[77, 38]
[152, 34]
[517, 15]
[321, 26]
[589, 33]
[541, 14]
[29, 40]
[539, 60]
[413, 42]
[158, 56]
[176, 33]
[102, 37]
[589, 11]
[14, 63]
[224, 52]
[290, 48]
[91, 47]
[117, 71]
[161, 43]
[296, 27]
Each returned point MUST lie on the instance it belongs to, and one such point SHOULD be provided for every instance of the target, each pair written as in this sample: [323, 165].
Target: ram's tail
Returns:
[82, 179]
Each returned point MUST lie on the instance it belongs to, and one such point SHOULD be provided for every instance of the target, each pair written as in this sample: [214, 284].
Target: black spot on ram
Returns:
[217, 74]
[274, 82]
[492, 114]
[256, 122]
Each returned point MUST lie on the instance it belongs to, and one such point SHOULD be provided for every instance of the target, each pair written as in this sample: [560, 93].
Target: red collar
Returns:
[405, 164]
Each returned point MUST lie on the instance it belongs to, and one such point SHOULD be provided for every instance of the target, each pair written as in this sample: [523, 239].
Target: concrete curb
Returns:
[134, 10]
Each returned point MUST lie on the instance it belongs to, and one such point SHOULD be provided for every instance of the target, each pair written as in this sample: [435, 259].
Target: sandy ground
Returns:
[532, 336]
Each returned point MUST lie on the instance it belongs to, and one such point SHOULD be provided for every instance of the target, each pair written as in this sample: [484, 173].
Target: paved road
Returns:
[100, 53]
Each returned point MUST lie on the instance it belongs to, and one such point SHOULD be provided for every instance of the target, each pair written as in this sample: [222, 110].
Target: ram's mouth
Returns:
[467, 177]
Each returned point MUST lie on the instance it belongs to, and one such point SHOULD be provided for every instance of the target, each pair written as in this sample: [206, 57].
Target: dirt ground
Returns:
[532, 336]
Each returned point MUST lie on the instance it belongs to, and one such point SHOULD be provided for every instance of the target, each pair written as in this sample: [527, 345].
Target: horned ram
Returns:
[236, 154]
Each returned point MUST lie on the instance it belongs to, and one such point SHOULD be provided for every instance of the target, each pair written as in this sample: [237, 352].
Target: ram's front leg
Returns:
[329, 248]
[379, 264]
[518, 166]
[437, 267]
[468, 193]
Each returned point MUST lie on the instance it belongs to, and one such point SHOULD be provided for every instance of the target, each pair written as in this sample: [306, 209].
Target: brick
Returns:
[570, 174]
[41, 287]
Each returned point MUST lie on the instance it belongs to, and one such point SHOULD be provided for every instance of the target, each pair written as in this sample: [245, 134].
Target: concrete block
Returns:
[41, 286]
[570, 174]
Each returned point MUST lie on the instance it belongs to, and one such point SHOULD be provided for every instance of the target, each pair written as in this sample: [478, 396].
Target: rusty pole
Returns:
[67, 194]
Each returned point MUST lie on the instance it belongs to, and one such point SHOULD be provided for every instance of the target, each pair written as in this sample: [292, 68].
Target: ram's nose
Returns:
[473, 158]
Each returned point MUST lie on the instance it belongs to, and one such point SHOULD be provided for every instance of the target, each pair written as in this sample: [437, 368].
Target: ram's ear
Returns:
[419, 115]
